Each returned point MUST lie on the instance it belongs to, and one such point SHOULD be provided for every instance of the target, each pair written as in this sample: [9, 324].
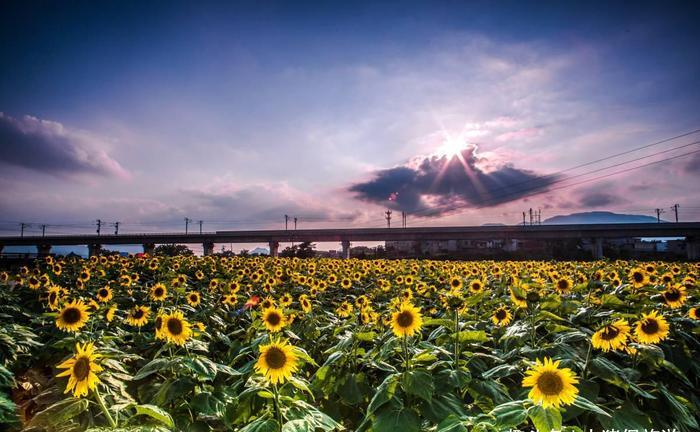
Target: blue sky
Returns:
[239, 113]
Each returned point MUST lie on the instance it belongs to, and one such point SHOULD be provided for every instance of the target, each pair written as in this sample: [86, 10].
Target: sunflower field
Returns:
[257, 344]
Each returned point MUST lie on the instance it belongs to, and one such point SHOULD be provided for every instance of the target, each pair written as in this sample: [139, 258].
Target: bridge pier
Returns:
[274, 249]
[510, 245]
[207, 248]
[346, 249]
[94, 249]
[149, 248]
[692, 248]
[43, 250]
[598, 248]
[1, 248]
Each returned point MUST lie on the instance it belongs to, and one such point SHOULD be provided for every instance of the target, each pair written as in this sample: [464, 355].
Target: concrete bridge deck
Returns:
[596, 232]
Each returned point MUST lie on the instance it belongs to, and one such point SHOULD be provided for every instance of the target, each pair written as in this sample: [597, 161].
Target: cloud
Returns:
[436, 185]
[51, 148]
[693, 165]
[598, 199]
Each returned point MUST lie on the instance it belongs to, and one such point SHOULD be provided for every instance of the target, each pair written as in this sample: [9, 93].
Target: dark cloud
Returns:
[693, 165]
[438, 185]
[598, 199]
[51, 148]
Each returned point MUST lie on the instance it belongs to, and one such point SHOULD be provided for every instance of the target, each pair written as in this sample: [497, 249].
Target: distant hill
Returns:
[493, 224]
[598, 217]
[260, 251]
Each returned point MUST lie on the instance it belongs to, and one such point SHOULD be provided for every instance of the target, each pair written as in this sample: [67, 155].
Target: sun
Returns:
[451, 147]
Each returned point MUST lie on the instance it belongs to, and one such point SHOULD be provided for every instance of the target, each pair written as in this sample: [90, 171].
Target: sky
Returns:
[236, 113]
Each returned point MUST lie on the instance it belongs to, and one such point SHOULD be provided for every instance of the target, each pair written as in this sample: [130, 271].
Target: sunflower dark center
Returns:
[175, 326]
[273, 318]
[158, 292]
[275, 358]
[71, 315]
[501, 314]
[650, 326]
[81, 368]
[193, 297]
[52, 297]
[104, 292]
[405, 319]
[609, 333]
[455, 283]
[138, 313]
[550, 383]
[476, 286]
[159, 322]
[84, 275]
[672, 295]
[638, 277]
[563, 284]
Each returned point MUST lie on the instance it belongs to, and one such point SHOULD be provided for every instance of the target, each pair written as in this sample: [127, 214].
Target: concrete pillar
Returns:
[346, 249]
[510, 245]
[274, 248]
[692, 248]
[94, 249]
[1, 248]
[208, 248]
[149, 248]
[597, 248]
[43, 250]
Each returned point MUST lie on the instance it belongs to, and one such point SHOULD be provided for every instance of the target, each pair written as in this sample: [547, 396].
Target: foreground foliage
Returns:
[259, 344]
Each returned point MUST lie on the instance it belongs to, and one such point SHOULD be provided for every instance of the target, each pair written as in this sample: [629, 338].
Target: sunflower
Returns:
[138, 316]
[193, 299]
[53, 297]
[73, 316]
[476, 286]
[674, 296]
[407, 320]
[563, 284]
[267, 303]
[158, 292]
[344, 309]
[346, 283]
[652, 328]
[456, 283]
[104, 294]
[305, 304]
[518, 298]
[551, 386]
[273, 319]
[82, 370]
[175, 328]
[109, 315]
[286, 300]
[694, 313]
[277, 361]
[638, 277]
[613, 336]
[501, 317]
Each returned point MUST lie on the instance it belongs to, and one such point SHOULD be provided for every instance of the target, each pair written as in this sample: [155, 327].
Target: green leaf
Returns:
[451, 424]
[365, 336]
[584, 403]
[391, 419]
[473, 336]
[151, 367]
[262, 425]
[419, 383]
[60, 412]
[510, 414]
[350, 390]
[628, 416]
[545, 420]
[155, 412]
[385, 392]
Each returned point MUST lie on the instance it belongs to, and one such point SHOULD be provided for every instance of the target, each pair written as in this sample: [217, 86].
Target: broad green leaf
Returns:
[584, 403]
[545, 420]
[419, 383]
[473, 336]
[155, 412]
[391, 419]
[510, 414]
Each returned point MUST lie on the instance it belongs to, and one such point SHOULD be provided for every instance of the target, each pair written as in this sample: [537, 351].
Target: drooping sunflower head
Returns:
[694, 313]
[551, 386]
[305, 304]
[194, 298]
[109, 314]
[651, 328]
[82, 370]
[344, 309]
[501, 317]
[73, 316]
[675, 296]
[138, 316]
[158, 292]
[175, 328]
[277, 362]
[406, 321]
[273, 319]
[612, 336]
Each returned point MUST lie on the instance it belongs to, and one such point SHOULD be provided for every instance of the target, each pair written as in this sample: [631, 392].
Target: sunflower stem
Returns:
[405, 352]
[585, 365]
[278, 411]
[104, 409]
[457, 347]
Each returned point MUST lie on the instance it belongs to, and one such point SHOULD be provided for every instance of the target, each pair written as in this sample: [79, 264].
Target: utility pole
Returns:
[187, 224]
[404, 217]
[295, 223]
[539, 216]
[524, 223]
[530, 215]
[99, 226]
[286, 222]
[658, 214]
[675, 210]
[43, 230]
[116, 228]
[200, 226]
[388, 218]
[21, 229]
